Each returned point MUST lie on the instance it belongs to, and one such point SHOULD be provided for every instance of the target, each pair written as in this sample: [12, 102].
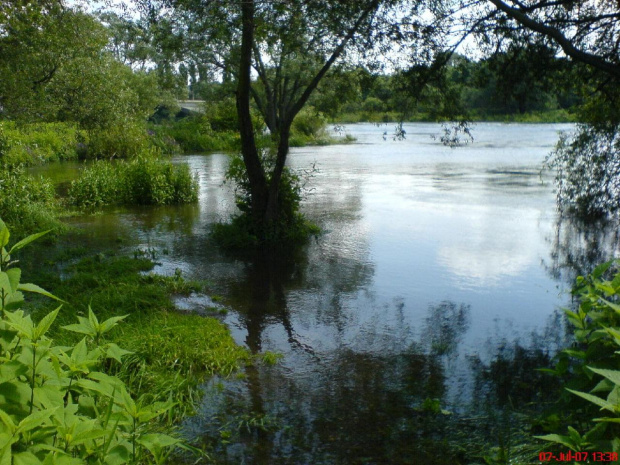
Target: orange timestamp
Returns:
[571, 456]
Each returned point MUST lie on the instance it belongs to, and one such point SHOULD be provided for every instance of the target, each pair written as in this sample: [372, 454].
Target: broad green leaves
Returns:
[56, 405]
[595, 358]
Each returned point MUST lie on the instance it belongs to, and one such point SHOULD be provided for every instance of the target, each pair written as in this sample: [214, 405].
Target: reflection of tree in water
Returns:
[578, 246]
[444, 327]
[511, 376]
[365, 404]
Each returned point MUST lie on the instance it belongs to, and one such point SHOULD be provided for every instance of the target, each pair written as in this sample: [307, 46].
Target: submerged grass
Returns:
[173, 353]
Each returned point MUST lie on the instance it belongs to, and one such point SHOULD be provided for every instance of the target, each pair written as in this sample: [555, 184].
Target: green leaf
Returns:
[115, 352]
[25, 458]
[6, 457]
[558, 439]
[156, 442]
[29, 287]
[611, 375]
[11, 370]
[4, 234]
[611, 305]
[23, 325]
[14, 275]
[5, 283]
[118, 455]
[34, 420]
[601, 269]
[94, 322]
[595, 400]
[110, 323]
[8, 421]
[45, 323]
[24, 242]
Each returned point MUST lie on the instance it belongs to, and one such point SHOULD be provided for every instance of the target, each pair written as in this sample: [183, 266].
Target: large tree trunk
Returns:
[256, 174]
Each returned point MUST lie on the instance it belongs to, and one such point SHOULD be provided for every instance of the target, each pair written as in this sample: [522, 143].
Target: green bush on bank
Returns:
[27, 203]
[590, 404]
[195, 135]
[30, 144]
[141, 181]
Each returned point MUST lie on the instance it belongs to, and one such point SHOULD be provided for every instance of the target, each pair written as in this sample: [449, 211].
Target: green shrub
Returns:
[194, 134]
[29, 144]
[27, 203]
[126, 140]
[142, 181]
[243, 232]
[309, 123]
[590, 367]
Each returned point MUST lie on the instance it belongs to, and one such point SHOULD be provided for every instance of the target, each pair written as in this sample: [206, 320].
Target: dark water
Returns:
[435, 264]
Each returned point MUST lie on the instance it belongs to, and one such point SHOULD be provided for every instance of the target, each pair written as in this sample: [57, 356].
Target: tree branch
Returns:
[557, 36]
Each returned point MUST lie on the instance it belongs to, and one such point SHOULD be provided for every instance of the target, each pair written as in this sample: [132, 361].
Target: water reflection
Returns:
[577, 247]
[362, 404]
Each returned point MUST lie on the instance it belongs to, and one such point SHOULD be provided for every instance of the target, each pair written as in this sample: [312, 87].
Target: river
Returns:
[435, 264]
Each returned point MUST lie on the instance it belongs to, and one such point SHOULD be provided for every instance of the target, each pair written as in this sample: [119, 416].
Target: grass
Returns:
[144, 180]
[173, 353]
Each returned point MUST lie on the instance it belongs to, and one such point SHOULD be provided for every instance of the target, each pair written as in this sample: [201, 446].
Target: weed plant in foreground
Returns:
[123, 375]
[58, 403]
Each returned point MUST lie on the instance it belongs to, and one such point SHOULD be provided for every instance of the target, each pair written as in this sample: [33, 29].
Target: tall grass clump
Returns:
[141, 181]
[27, 203]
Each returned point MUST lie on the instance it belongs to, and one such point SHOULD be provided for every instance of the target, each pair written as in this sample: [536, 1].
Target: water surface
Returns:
[433, 263]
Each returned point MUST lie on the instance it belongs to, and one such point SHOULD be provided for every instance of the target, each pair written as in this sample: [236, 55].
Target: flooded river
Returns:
[434, 264]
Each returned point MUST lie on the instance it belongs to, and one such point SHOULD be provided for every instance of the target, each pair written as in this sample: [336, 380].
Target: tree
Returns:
[587, 30]
[279, 53]
[588, 33]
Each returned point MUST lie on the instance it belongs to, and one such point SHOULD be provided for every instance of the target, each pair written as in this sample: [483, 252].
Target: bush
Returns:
[142, 181]
[118, 141]
[27, 203]
[194, 135]
[590, 366]
[29, 144]
[243, 232]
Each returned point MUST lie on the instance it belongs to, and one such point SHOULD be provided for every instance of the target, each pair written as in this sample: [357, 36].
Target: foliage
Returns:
[194, 135]
[57, 404]
[37, 143]
[27, 203]
[163, 365]
[588, 171]
[244, 232]
[310, 128]
[592, 365]
[141, 181]
[54, 68]
[122, 140]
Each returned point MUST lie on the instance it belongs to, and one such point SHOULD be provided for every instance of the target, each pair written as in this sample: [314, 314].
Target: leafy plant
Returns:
[591, 365]
[57, 406]
[141, 181]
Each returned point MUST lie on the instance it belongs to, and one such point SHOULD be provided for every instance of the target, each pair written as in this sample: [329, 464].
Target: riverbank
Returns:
[171, 353]
[552, 116]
